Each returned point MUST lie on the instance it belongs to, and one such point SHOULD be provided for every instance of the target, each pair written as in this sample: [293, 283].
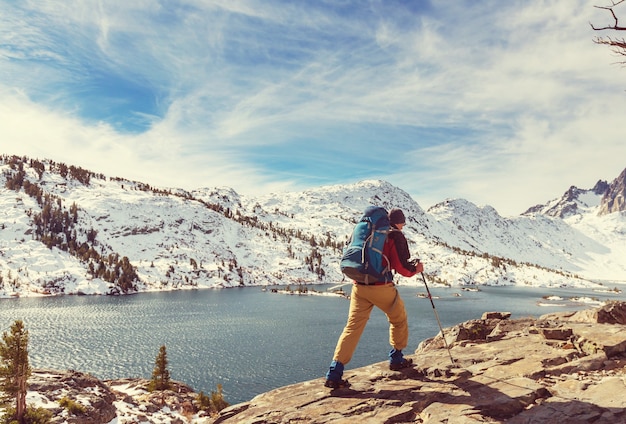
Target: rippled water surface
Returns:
[248, 340]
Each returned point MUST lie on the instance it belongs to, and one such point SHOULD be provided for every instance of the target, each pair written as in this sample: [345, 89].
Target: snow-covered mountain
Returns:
[64, 229]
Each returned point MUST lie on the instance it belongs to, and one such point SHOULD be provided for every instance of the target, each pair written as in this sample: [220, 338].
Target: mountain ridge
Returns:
[68, 230]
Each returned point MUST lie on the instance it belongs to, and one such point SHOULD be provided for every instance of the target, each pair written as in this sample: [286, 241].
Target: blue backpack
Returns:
[362, 258]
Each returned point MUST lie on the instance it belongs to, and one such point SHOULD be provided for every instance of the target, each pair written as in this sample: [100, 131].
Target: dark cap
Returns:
[396, 216]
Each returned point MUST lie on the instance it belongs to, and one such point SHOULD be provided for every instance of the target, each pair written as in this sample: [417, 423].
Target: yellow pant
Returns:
[362, 301]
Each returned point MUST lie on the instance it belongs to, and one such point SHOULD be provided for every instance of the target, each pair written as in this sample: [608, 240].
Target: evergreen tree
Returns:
[14, 368]
[213, 403]
[217, 399]
[160, 374]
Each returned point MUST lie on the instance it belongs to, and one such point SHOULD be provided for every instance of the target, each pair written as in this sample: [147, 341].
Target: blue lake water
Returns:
[247, 340]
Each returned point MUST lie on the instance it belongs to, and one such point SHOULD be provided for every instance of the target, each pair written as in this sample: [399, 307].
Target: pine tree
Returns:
[213, 403]
[14, 368]
[160, 374]
[217, 399]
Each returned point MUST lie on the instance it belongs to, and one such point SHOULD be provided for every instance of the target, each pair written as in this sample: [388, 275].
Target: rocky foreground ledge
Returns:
[560, 368]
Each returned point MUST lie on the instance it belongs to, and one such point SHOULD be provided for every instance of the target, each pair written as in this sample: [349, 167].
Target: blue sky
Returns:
[503, 103]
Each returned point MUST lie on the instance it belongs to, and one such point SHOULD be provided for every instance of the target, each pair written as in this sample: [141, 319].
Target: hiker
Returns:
[384, 295]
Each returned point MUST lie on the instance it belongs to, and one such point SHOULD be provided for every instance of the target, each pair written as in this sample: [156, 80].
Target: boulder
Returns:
[613, 312]
[93, 398]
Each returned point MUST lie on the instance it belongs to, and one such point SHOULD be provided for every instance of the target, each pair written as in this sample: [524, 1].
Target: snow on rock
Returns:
[76, 397]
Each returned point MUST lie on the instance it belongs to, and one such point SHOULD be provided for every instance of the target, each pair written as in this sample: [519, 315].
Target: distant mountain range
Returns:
[67, 230]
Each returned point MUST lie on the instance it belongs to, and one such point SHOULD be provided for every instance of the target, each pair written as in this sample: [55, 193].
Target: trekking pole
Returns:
[443, 336]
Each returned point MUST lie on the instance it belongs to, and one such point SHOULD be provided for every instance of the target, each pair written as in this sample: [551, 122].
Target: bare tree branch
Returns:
[616, 26]
[618, 45]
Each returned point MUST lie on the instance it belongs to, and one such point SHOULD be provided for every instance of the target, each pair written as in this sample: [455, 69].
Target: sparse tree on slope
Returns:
[160, 374]
[14, 368]
[213, 403]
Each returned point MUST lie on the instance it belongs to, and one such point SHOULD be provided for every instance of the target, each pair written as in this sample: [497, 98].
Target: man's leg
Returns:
[393, 306]
[360, 309]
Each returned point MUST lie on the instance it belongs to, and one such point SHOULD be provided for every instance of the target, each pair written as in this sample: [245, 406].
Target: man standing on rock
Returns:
[383, 295]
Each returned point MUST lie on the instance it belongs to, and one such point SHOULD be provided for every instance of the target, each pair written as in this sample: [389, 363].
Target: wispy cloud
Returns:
[501, 103]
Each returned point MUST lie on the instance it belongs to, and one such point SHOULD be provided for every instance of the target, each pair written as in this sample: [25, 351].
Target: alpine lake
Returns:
[250, 340]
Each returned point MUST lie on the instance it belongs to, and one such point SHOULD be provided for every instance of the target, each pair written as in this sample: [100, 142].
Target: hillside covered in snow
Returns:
[67, 230]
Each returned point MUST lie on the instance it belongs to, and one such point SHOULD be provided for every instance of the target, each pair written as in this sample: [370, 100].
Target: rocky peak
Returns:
[614, 199]
[573, 201]
[600, 188]
[566, 367]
